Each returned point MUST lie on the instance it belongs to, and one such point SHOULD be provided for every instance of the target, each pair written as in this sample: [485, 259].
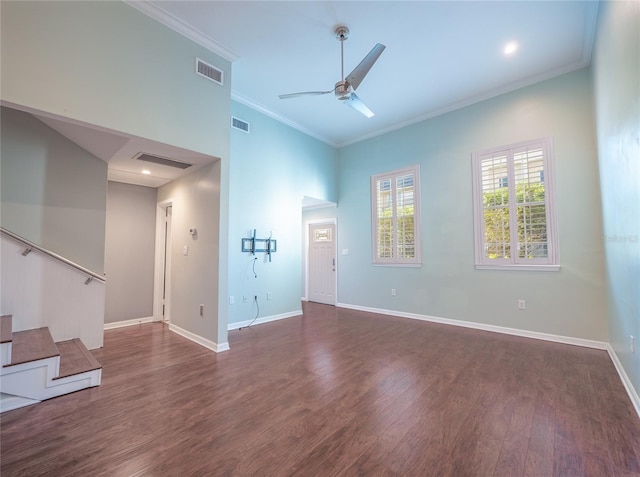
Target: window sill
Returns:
[529, 268]
[402, 265]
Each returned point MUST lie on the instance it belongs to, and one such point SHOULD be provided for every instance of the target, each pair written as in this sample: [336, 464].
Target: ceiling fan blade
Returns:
[357, 104]
[360, 71]
[305, 93]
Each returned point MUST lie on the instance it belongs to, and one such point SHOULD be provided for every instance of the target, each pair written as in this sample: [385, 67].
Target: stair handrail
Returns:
[33, 246]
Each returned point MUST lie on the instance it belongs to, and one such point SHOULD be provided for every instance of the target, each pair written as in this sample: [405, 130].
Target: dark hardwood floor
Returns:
[333, 393]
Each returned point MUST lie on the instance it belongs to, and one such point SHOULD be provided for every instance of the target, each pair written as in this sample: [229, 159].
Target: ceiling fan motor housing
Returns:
[343, 90]
[342, 32]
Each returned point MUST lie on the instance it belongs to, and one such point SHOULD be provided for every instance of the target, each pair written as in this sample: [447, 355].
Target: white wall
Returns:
[616, 73]
[129, 251]
[41, 291]
[570, 302]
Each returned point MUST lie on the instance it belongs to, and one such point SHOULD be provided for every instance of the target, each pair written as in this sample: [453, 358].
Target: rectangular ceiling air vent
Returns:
[241, 125]
[163, 161]
[209, 71]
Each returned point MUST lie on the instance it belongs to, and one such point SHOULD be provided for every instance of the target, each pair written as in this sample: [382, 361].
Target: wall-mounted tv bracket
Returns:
[253, 245]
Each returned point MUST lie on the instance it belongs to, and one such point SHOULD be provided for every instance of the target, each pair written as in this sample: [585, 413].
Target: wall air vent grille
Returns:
[237, 123]
[163, 161]
[209, 71]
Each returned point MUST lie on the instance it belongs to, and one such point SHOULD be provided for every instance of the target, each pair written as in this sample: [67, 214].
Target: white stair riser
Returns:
[9, 403]
[5, 353]
[35, 380]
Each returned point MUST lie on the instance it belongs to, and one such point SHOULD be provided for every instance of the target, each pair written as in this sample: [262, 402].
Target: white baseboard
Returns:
[633, 395]
[266, 319]
[121, 324]
[199, 339]
[176, 329]
[484, 327]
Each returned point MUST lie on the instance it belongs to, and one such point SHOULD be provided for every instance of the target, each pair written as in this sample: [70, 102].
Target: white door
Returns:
[322, 263]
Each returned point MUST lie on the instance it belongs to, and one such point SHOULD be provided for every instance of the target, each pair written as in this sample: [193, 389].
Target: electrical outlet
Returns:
[393, 292]
[268, 295]
[632, 344]
[231, 302]
[522, 304]
[245, 299]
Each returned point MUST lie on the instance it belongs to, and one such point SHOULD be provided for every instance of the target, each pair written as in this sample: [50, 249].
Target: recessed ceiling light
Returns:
[510, 48]
[146, 172]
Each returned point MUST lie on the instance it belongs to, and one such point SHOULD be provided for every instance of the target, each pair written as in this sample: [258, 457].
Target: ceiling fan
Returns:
[345, 88]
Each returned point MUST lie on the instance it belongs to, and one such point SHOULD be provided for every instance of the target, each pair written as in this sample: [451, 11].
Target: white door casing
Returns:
[162, 273]
[166, 291]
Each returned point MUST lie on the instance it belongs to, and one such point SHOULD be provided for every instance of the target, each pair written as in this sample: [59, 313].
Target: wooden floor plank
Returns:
[333, 392]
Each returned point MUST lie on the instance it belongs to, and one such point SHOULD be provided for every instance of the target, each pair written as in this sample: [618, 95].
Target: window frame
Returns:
[552, 261]
[395, 261]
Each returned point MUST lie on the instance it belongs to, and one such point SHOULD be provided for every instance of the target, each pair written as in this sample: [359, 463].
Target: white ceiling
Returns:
[120, 150]
[439, 56]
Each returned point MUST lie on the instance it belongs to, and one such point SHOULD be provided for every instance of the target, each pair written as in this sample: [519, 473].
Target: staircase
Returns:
[34, 368]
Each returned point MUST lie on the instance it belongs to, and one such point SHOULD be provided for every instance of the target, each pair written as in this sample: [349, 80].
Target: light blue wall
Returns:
[272, 168]
[616, 72]
[570, 302]
[54, 193]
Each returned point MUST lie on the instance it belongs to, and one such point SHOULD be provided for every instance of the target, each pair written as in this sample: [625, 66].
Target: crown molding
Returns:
[470, 101]
[267, 112]
[590, 26]
[167, 19]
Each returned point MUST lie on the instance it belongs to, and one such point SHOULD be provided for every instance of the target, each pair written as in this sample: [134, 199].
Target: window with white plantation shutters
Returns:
[395, 205]
[513, 207]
